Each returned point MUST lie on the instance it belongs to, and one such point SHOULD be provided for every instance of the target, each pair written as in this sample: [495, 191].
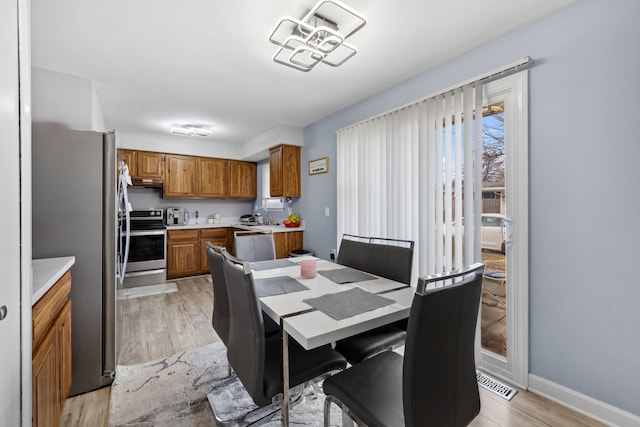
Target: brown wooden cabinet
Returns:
[242, 180]
[213, 177]
[217, 236]
[190, 177]
[45, 379]
[129, 157]
[183, 253]
[181, 179]
[149, 165]
[186, 250]
[284, 171]
[286, 242]
[51, 346]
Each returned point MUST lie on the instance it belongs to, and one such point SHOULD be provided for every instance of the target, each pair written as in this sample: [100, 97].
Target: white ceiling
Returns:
[161, 63]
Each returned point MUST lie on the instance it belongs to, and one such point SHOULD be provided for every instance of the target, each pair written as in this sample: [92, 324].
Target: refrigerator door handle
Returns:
[123, 201]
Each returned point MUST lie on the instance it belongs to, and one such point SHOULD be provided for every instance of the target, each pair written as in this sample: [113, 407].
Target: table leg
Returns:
[285, 378]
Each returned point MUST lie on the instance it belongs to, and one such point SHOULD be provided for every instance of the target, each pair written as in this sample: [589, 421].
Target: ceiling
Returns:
[161, 63]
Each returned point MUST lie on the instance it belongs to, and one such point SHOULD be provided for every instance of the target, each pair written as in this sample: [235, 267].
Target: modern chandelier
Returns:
[319, 37]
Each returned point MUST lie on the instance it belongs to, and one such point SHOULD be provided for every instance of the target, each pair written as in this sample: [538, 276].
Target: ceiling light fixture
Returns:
[190, 130]
[318, 37]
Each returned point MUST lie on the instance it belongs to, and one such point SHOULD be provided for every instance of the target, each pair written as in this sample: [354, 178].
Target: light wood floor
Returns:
[162, 325]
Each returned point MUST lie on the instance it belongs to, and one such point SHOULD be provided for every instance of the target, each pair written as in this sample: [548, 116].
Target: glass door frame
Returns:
[513, 91]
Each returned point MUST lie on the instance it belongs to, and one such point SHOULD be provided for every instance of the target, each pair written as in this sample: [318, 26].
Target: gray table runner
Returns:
[270, 286]
[271, 264]
[349, 303]
[346, 275]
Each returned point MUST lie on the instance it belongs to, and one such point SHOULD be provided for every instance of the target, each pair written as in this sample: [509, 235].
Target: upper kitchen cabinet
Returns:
[149, 165]
[242, 180]
[284, 167]
[129, 157]
[181, 176]
[214, 177]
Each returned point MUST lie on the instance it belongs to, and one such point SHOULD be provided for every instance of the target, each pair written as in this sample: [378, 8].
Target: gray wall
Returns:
[583, 193]
[147, 198]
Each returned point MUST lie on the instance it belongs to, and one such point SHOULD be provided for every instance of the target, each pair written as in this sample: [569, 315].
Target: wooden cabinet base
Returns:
[186, 250]
[51, 362]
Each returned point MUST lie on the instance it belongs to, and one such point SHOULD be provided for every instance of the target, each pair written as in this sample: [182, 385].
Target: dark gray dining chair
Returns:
[256, 358]
[434, 384]
[254, 245]
[389, 258]
[220, 319]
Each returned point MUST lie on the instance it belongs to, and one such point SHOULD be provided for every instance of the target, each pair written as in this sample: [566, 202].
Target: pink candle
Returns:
[308, 268]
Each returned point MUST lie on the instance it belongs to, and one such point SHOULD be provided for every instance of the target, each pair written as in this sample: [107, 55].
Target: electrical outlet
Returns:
[333, 255]
[326, 211]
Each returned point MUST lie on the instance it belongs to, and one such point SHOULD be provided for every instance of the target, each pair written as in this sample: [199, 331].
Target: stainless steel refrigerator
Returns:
[75, 212]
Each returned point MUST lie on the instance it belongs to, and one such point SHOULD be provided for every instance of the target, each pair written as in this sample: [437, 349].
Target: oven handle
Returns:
[144, 273]
[147, 233]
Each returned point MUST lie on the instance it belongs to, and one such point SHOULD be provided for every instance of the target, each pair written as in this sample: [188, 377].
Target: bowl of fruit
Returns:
[293, 220]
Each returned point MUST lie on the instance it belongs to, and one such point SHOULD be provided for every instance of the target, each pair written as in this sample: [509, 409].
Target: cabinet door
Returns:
[275, 172]
[129, 157]
[183, 259]
[214, 175]
[45, 392]
[63, 326]
[242, 180]
[180, 176]
[204, 260]
[150, 165]
[217, 236]
[284, 171]
[285, 242]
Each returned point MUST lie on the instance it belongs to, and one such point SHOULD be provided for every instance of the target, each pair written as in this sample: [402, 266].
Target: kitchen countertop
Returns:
[273, 228]
[46, 273]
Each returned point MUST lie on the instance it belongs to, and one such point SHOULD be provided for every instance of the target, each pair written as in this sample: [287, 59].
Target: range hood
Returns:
[147, 182]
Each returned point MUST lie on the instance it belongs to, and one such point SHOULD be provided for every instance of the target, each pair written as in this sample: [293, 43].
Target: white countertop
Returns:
[273, 228]
[46, 273]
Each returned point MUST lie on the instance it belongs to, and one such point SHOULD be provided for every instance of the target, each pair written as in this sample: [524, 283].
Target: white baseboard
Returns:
[593, 408]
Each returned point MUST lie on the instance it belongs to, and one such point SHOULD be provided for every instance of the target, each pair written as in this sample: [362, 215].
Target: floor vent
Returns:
[495, 386]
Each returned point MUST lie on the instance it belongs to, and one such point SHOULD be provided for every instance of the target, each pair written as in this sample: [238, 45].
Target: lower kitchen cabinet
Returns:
[217, 236]
[286, 242]
[183, 254]
[51, 362]
[187, 255]
[186, 250]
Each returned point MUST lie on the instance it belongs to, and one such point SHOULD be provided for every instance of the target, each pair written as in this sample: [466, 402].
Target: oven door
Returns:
[147, 250]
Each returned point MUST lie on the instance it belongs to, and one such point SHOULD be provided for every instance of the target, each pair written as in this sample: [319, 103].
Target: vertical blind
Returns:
[414, 173]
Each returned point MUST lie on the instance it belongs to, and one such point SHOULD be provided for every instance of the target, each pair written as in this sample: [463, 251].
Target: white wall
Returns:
[583, 196]
[62, 98]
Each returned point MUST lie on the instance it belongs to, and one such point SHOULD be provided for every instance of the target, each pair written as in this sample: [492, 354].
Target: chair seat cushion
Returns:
[372, 390]
[362, 346]
[304, 365]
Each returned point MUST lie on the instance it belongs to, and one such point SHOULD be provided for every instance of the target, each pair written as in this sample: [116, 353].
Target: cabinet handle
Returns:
[3, 312]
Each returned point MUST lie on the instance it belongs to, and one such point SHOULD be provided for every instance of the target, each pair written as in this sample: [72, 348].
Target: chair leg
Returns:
[349, 419]
[327, 411]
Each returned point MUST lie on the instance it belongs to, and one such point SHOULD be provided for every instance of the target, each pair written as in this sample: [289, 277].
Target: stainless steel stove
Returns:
[147, 249]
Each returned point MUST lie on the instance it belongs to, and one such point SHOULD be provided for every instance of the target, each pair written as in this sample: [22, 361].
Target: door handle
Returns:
[508, 236]
[3, 312]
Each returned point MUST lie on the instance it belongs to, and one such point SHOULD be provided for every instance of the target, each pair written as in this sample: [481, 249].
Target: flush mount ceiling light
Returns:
[190, 130]
[320, 36]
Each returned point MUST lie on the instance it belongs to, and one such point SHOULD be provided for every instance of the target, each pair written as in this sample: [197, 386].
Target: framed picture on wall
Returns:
[320, 165]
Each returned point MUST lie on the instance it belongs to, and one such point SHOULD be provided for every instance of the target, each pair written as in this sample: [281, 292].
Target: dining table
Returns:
[336, 303]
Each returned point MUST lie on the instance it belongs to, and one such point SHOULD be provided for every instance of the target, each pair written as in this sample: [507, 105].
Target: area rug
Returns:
[173, 392]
